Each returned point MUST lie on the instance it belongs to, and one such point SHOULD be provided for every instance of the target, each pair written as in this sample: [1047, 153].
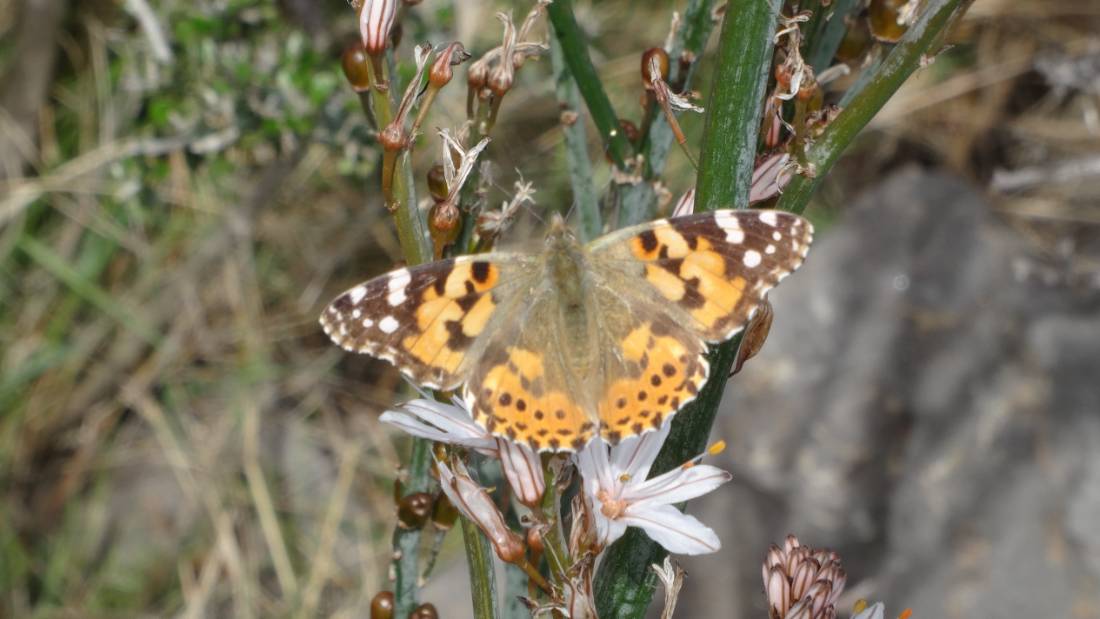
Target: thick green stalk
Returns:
[575, 50]
[919, 42]
[576, 146]
[479, 560]
[736, 104]
[625, 584]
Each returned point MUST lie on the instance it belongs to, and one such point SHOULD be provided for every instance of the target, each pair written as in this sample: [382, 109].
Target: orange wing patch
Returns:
[423, 319]
[512, 399]
[663, 374]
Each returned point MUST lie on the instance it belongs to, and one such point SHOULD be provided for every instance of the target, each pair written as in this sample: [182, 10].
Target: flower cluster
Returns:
[616, 492]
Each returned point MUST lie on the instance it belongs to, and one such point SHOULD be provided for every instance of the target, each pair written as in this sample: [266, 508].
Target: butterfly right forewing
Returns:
[715, 267]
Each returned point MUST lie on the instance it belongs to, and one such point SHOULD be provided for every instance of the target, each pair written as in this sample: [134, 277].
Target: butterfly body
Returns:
[607, 337]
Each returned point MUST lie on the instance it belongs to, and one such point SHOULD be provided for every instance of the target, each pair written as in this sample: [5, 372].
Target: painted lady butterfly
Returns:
[554, 347]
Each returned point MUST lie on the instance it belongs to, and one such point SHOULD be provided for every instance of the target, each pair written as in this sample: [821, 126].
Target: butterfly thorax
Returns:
[567, 272]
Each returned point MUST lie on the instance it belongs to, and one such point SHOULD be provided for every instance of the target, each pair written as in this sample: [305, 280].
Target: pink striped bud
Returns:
[375, 21]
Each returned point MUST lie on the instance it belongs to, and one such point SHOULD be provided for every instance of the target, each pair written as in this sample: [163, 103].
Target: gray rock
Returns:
[925, 408]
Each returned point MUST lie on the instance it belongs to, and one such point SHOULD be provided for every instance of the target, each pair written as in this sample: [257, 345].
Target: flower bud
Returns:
[442, 72]
[424, 611]
[356, 66]
[443, 224]
[662, 62]
[393, 137]
[381, 606]
[882, 16]
[413, 510]
[375, 22]
[437, 183]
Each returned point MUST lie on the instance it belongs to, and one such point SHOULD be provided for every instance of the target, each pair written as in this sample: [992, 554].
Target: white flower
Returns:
[877, 611]
[619, 495]
[375, 22]
[452, 424]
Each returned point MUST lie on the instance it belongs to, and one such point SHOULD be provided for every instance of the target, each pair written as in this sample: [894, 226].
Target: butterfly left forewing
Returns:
[714, 268]
[428, 319]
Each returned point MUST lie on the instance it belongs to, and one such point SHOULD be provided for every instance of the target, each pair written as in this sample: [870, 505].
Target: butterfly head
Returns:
[560, 233]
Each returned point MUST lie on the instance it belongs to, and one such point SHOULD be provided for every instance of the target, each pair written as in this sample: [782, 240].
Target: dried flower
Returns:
[802, 582]
[618, 494]
[474, 502]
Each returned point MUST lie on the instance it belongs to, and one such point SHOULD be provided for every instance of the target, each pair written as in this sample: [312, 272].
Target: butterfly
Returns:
[557, 346]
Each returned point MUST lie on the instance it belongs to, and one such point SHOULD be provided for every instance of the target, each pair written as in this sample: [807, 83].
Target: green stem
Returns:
[575, 51]
[412, 229]
[479, 561]
[922, 39]
[736, 104]
[412, 233]
[576, 147]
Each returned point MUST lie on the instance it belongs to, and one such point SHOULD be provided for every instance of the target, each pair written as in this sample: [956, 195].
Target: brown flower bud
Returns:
[441, 72]
[381, 606]
[882, 16]
[443, 224]
[413, 511]
[424, 611]
[437, 183]
[393, 137]
[662, 62]
[356, 65]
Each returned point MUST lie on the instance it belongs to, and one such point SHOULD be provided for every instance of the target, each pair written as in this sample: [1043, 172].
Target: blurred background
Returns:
[184, 185]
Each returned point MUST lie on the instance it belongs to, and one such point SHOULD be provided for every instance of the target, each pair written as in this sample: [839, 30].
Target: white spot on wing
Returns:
[367, 323]
[728, 222]
[399, 280]
[776, 236]
[769, 217]
[770, 249]
[357, 313]
[388, 324]
[752, 258]
[356, 294]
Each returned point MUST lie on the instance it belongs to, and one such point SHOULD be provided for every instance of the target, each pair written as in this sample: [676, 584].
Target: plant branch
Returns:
[575, 51]
[479, 561]
[576, 146]
[736, 104]
[919, 42]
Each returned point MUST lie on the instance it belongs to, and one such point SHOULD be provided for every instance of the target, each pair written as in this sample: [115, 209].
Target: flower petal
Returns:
[594, 467]
[523, 468]
[679, 533]
[439, 422]
[634, 456]
[676, 486]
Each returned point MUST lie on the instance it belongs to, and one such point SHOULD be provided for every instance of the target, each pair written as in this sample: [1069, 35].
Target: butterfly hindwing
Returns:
[524, 386]
[425, 319]
[715, 267]
[651, 366]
